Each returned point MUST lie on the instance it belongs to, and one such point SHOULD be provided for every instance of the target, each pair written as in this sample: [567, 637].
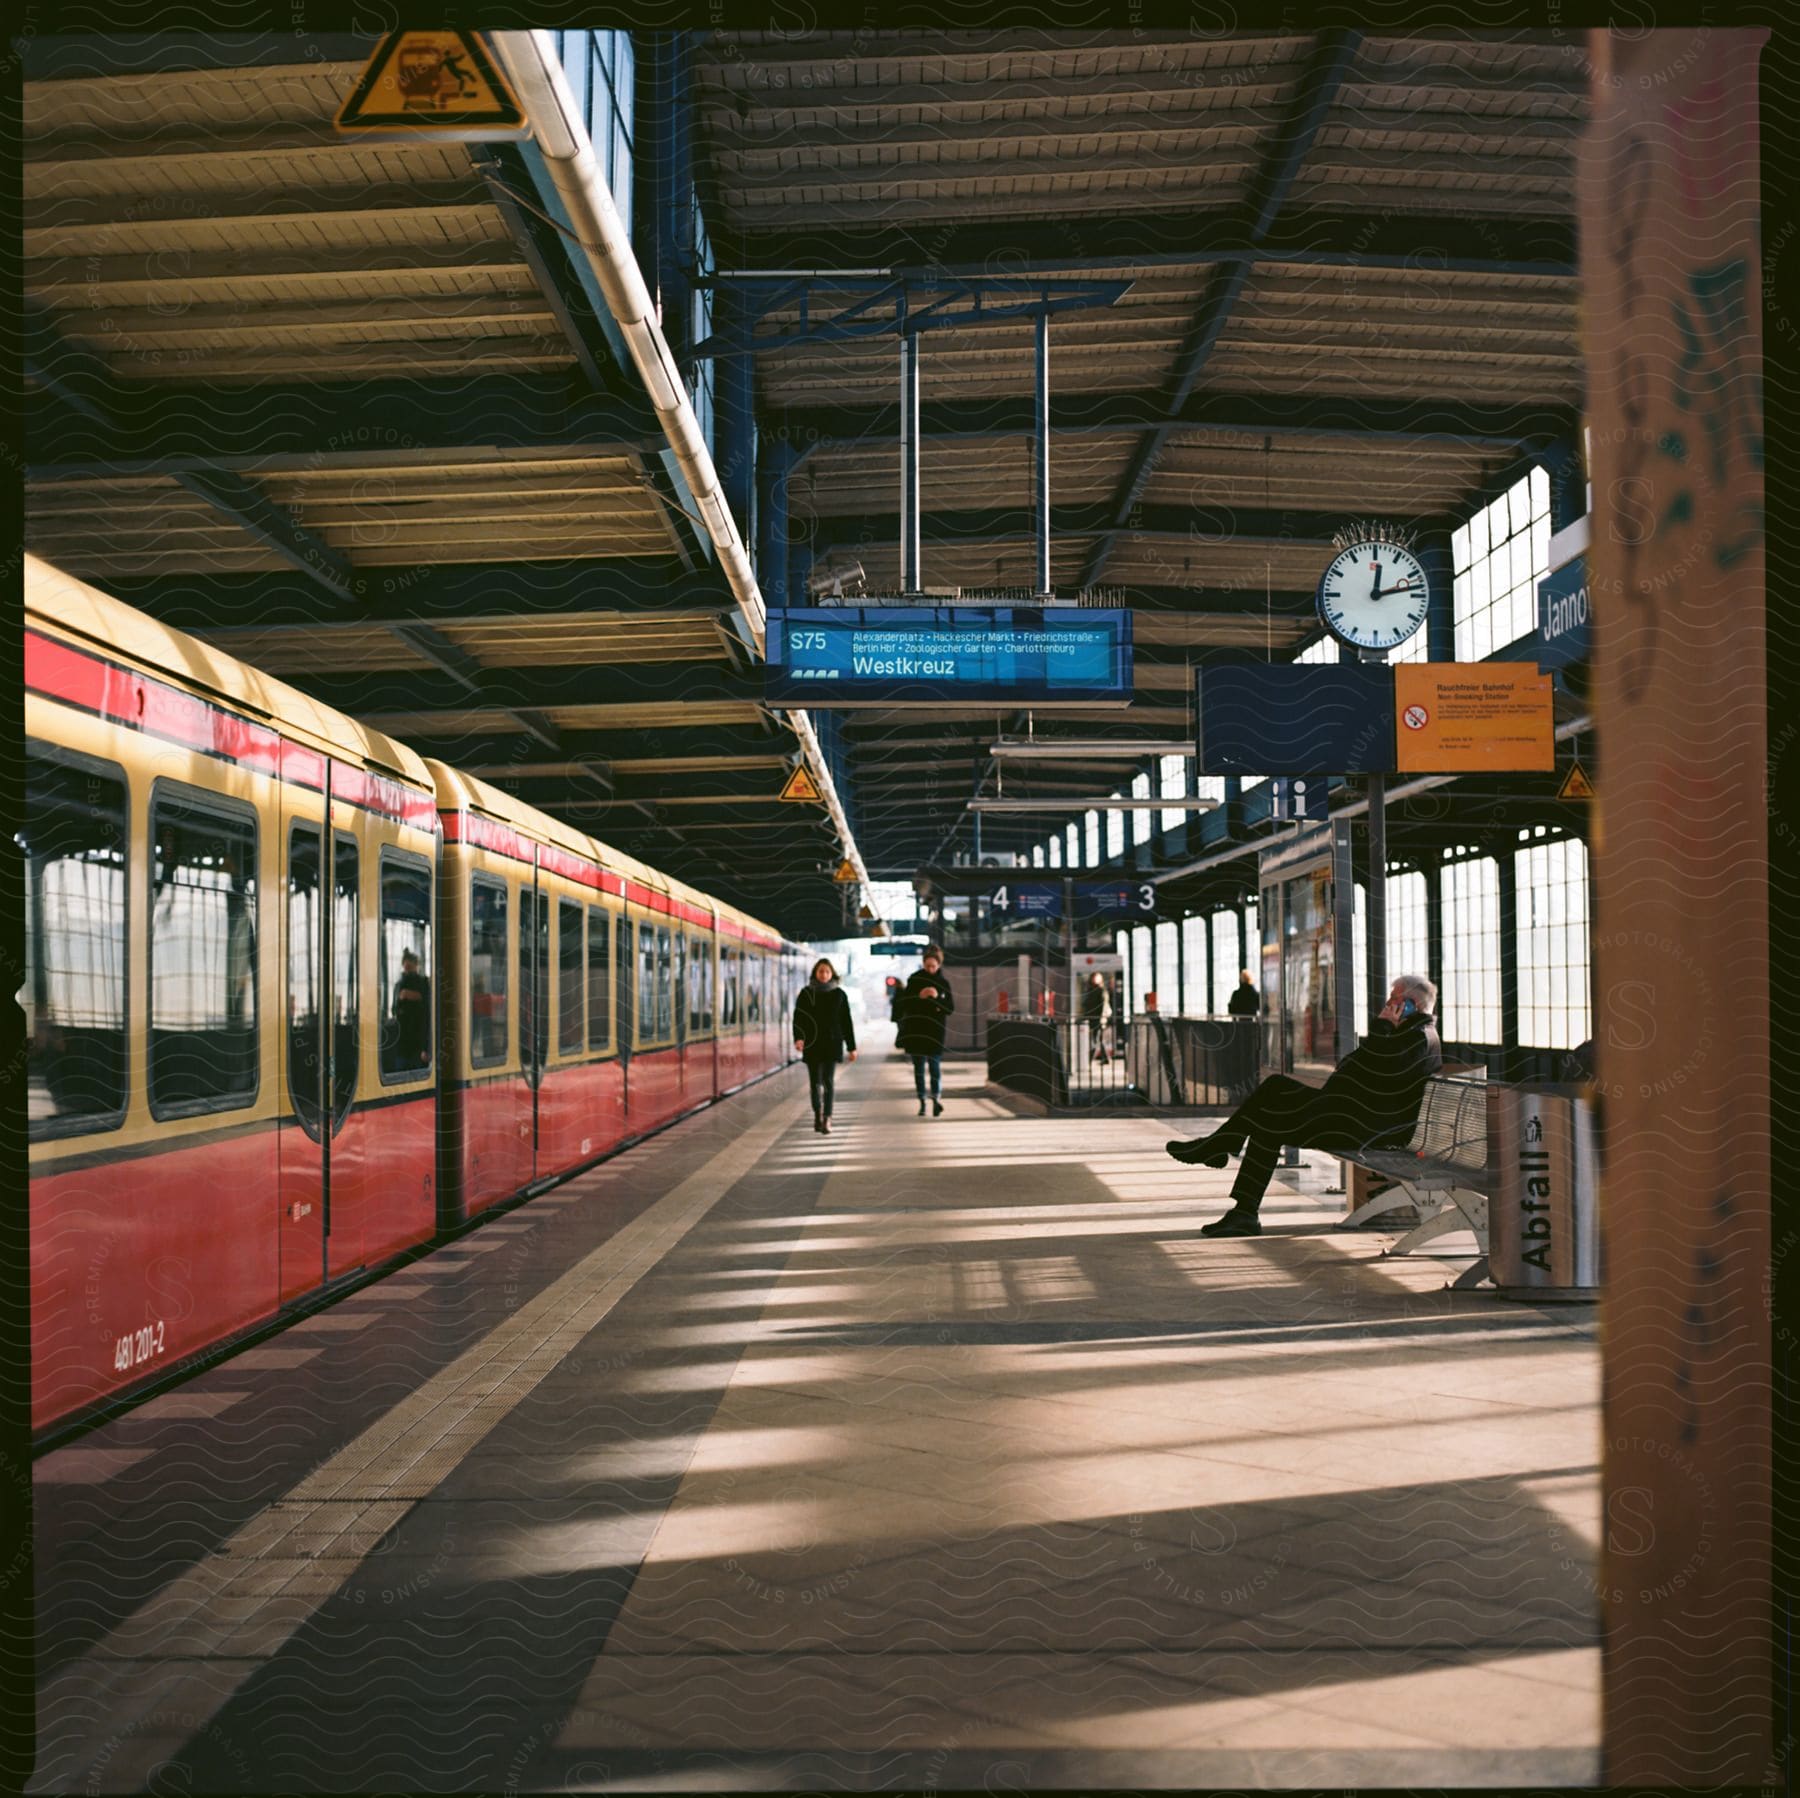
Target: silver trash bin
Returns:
[1544, 1217]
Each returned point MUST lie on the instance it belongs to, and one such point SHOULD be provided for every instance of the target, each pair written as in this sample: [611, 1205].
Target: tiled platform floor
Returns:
[936, 1453]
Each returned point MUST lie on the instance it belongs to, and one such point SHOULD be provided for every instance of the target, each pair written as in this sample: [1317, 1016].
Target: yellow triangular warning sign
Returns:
[865, 914]
[1576, 785]
[802, 788]
[846, 872]
[442, 82]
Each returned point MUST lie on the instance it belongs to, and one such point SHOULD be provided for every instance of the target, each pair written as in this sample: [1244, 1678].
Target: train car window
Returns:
[489, 958]
[346, 998]
[599, 978]
[74, 851]
[665, 988]
[696, 986]
[571, 979]
[203, 917]
[408, 1019]
[678, 984]
[646, 983]
[305, 977]
[753, 982]
[705, 950]
[728, 988]
[534, 977]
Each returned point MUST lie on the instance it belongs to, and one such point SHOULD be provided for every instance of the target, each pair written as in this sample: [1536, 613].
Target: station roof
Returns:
[1352, 292]
[348, 407]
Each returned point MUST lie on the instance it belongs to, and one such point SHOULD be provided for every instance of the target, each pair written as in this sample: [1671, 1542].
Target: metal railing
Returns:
[1201, 1062]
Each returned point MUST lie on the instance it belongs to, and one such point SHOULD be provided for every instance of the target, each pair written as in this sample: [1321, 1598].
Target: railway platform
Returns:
[932, 1453]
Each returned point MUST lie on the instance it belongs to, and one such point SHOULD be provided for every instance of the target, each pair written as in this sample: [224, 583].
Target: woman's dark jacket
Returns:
[822, 1022]
[922, 1020]
[1378, 1086]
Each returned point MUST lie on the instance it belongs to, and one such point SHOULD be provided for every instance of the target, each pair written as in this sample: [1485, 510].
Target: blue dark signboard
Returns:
[929, 655]
[1565, 633]
[1034, 898]
[1302, 796]
[1296, 718]
[1124, 897]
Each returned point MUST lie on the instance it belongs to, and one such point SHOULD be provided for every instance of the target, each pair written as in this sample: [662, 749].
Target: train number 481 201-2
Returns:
[140, 1346]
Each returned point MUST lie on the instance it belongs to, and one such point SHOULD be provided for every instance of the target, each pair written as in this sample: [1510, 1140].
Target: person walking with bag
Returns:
[924, 1006]
[823, 1034]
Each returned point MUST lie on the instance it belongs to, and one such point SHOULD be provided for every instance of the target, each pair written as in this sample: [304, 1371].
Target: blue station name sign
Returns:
[930, 655]
[1565, 620]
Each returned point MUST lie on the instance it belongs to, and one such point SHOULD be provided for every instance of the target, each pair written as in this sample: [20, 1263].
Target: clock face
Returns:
[1373, 596]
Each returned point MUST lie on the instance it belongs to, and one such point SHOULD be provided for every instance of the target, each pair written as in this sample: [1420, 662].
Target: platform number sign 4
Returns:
[1373, 596]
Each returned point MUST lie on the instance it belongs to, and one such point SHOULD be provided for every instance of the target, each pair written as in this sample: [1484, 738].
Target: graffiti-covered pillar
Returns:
[1671, 304]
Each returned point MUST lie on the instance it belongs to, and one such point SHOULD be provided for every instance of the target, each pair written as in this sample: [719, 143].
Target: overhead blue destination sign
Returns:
[1093, 898]
[930, 655]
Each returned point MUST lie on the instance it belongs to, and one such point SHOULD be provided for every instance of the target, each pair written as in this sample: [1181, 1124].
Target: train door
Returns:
[319, 934]
[534, 1014]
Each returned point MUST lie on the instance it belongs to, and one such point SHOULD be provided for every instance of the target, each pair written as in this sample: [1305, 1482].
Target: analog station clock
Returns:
[1373, 596]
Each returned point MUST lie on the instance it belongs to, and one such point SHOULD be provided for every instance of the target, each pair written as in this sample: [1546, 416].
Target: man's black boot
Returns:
[1236, 1222]
[1201, 1152]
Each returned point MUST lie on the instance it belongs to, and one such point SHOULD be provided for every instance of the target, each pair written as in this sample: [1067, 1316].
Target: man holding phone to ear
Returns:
[1371, 1101]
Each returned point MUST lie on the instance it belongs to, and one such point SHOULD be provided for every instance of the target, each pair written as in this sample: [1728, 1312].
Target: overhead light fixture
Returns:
[1054, 749]
[1181, 802]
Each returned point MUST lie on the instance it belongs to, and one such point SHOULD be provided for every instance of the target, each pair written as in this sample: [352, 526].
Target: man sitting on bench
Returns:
[1371, 1101]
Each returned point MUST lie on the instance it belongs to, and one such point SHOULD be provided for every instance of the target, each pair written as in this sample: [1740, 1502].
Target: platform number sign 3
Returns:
[1373, 596]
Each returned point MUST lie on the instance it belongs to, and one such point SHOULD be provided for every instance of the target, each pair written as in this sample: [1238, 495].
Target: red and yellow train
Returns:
[299, 1001]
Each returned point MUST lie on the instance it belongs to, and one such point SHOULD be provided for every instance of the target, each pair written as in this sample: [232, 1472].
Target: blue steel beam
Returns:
[1427, 423]
[1218, 523]
[1025, 247]
[1269, 187]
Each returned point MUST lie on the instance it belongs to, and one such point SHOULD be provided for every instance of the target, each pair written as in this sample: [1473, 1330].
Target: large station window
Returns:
[489, 959]
[599, 978]
[1226, 958]
[1552, 889]
[1497, 560]
[407, 1023]
[1469, 1004]
[571, 979]
[1167, 980]
[1140, 819]
[1056, 851]
[203, 916]
[1171, 779]
[1196, 993]
[1408, 948]
[1115, 832]
[74, 852]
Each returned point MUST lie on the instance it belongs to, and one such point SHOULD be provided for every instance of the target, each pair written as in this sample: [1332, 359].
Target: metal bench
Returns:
[1445, 1171]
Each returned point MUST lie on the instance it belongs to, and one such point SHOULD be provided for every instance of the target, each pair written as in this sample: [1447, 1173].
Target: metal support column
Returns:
[734, 427]
[1376, 934]
[772, 471]
[1040, 453]
[909, 455]
[1433, 550]
[1510, 1054]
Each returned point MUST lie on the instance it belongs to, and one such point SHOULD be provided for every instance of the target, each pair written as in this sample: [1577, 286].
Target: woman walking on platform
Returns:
[823, 1033]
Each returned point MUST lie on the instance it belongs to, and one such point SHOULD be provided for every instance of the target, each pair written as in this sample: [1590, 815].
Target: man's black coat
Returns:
[922, 1025]
[1376, 1090]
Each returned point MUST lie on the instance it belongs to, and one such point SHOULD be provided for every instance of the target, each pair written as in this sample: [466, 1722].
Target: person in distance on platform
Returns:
[1244, 1001]
[1096, 1013]
[925, 1004]
[1371, 1101]
[823, 1034]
